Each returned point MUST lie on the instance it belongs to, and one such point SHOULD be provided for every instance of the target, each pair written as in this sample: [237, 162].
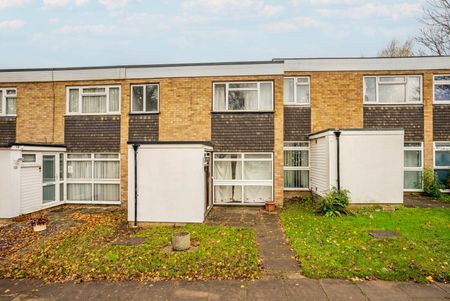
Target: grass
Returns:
[87, 253]
[341, 247]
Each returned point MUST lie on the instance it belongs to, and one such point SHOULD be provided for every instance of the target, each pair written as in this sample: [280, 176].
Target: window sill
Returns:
[296, 189]
[143, 113]
[393, 104]
[8, 116]
[442, 102]
[102, 114]
[297, 105]
[241, 112]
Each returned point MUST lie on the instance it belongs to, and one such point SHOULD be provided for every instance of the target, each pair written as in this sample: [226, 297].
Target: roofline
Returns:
[282, 59]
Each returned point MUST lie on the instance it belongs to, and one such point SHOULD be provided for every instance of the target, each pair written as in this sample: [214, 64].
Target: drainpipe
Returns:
[338, 161]
[135, 147]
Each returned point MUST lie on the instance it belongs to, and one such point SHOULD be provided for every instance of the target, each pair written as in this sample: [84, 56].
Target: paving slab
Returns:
[265, 289]
[304, 289]
[423, 291]
[340, 290]
[154, 291]
[383, 291]
[444, 286]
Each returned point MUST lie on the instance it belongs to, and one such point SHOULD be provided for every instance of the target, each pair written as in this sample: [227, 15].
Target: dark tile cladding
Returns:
[242, 132]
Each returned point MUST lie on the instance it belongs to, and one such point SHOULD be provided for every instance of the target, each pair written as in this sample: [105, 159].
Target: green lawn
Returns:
[87, 253]
[342, 248]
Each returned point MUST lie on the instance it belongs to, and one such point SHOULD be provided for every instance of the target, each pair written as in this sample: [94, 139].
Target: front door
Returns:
[51, 178]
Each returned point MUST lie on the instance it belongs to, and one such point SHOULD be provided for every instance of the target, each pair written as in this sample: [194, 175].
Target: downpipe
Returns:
[135, 147]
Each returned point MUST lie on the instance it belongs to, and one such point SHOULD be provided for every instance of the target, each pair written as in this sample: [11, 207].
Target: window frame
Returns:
[258, 89]
[242, 182]
[377, 88]
[435, 148]
[405, 168]
[444, 82]
[294, 103]
[145, 98]
[92, 180]
[3, 101]
[308, 168]
[81, 94]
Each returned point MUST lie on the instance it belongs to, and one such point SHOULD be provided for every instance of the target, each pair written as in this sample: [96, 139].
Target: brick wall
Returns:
[441, 123]
[143, 127]
[297, 123]
[7, 130]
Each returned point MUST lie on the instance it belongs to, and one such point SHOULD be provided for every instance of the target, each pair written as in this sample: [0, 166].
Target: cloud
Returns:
[12, 3]
[250, 7]
[269, 10]
[370, 10]
[48, 3]
[293, 25]
[12, 24]
[113, 4]
[95, 29]
[323, 2]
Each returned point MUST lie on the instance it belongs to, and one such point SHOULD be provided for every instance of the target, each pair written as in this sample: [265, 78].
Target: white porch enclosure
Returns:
[370, 164]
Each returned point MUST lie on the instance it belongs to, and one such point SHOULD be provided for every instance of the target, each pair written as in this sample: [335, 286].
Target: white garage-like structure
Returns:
[368, 163]
[169, 182]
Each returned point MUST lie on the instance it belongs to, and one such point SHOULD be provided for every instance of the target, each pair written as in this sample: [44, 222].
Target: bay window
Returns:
[242, 178]
[442, 163]
[243, 96]
[93, 100]
[296, 91]
[93, 177]
[8, 101]
[413, 166]
[145, 98]
[296, 166]
[441, 91]
[396, 89]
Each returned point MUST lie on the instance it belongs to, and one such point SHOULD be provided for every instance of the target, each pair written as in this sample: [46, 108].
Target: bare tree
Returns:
[435, 32]
[395, 49]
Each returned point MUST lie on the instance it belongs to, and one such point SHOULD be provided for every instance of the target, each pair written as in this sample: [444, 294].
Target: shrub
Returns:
[335, 203]
[431, 185]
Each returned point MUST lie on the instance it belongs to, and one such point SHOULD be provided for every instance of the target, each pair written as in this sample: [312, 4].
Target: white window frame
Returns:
[81, 94]
[241, 182]
[377, 94]
[308, 168]
[3, 100]
[227, 88]
[414, 148]
[435, 148]
[294, 102]
[440, 82]
[92, 180]
[144, 100]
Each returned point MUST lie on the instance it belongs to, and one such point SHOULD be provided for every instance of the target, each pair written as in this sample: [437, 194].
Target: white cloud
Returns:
[370, 10]
[49, 3]
[81, 2]
[113, 4]
[249, 7]
[293, 25]
[269, 10]
[324, 2]
[12, 24]
[96, 29]
[12, 3]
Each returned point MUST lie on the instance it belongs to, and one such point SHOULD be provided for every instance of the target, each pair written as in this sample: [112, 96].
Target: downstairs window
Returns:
[296, 165]
[413, 166]
[442, 163]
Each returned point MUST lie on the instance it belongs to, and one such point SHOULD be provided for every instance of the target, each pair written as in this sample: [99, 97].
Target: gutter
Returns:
[338, 161]
[135, 147]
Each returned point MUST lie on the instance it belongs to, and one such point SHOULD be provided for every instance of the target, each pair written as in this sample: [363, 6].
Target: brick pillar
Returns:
[428, 119]
[125, 109]
[278, 142]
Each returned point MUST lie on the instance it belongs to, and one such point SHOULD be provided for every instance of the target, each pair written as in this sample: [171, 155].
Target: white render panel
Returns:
[25, 76]
[171, 184]
[319, 165]
[30, 189]
[89, 74]
[9, 183]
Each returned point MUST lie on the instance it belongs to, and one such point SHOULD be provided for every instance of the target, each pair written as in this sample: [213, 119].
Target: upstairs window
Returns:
[243, 96]
[296, 91]
[94, 100]
[393, 89]
[144, 98]
[8, 101]
[441, 88]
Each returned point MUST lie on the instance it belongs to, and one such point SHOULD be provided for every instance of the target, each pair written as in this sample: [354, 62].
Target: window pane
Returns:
[296, 179]
[138, 99]
[10, 105]
[73, 100]
[302, 94]
[257, 194]
[94, 90]
[114, 98]
[444, 177]
[78, 156]
[48, 169]
[79, 192]
[79, 169]
[288, 90]
[391, 79]
[106, 169]
[27, 158]
[243, 100]
[296, 144]
[106, 156]
[1, 100]
[151, 98]
[48, 193]
[227, 170]
[11, 92]
[265, 96]
[302, 81]
[94, 104]
[106, 192]
[391, 93]
[442, 77]
[370, 92]
[227, 156]
[297, 158]
[219, 97]
[243, 86]
[413, 158]
[442, 158]
[441, 92]
[258, 170]
[228, 194]
[413, 180]
[413, 88]
[258, 156]
[61, 167]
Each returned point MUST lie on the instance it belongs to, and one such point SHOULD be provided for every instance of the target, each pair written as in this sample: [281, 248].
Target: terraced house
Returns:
[170, 141]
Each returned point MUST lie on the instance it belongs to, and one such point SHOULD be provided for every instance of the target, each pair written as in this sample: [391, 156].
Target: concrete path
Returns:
[273, 289]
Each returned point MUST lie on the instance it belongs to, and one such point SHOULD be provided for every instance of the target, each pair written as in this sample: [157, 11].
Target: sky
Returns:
[65, 33]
